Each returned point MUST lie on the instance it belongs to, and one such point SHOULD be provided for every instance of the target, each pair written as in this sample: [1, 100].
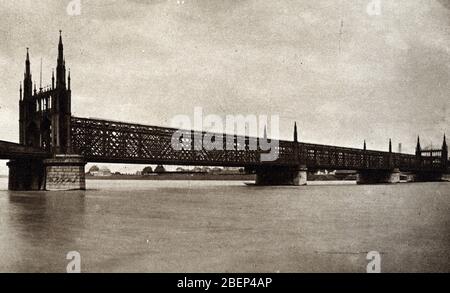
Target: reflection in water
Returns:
[40, 226]
[41, 212]
[164, 226]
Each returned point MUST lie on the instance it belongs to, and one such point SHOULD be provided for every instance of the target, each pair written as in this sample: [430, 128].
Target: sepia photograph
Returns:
[224, 136]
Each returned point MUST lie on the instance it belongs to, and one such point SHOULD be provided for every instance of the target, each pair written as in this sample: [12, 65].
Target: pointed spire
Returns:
[68, 79]
[60, 45]
[61, 67]
[365, 145]
[295, 132]
[53, 78]
[444, 144]
[27, 64]
[40, 78]
[418, 147]
[27, 83]
[390, 145]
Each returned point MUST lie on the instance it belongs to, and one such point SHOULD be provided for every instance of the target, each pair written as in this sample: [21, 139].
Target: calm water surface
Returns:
[182, 226]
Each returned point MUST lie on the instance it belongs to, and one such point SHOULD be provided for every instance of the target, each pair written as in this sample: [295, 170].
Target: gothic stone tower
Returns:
[61, 112]
[29, 119]
[45, 116]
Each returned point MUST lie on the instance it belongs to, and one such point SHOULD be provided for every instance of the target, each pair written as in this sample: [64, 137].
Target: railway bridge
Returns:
[54, 147]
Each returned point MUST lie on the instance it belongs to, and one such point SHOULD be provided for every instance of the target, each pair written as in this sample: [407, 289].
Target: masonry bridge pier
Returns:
[54, 147]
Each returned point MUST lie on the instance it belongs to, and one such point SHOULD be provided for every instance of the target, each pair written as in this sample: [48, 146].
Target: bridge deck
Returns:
[10, 150]
[118, 142]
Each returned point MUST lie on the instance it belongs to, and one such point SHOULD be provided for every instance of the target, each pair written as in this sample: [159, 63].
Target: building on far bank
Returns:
[232, 170]
[216, 170]
[198, 170]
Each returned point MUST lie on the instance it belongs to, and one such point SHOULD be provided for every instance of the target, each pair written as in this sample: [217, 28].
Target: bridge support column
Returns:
[26, 175]
[275, 175]
[378, 176]
[65, 172]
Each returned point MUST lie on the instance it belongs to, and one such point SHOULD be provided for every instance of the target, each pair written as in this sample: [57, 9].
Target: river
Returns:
[210, 226]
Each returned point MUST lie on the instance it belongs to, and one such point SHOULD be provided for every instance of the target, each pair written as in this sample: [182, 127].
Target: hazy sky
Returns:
[374, 77]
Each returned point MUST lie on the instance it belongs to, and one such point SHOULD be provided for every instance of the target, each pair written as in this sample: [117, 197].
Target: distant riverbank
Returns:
[207, 176]
[177, 176]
